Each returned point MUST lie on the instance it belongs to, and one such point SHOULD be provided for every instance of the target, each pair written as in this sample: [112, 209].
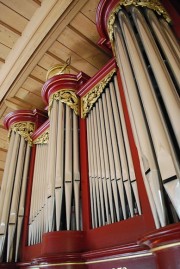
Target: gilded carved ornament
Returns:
[67, 97]
[91, 97]
[43, 138]
[151, 4]
[24, 129]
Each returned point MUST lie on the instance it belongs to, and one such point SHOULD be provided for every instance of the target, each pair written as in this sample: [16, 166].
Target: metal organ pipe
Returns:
[106, 148]
[124, 180]
[51, 168]
[59, 187]
[98, 177]
[164, 81]
[68, 166]
[12, 222]
[102, 168]
[106, 161]
[9, 188]
[112, 161]
[165, 156]
[37, 217]
[170, 37]
[132, 176]
[22, 200]
[95, 196]
[92, 198]
[166, 46]
[6, 171]
[76, 172]
[14, 185]
[61, 180]
[137, 120]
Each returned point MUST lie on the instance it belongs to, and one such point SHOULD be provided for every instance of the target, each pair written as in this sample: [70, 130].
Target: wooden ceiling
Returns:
[34, 36]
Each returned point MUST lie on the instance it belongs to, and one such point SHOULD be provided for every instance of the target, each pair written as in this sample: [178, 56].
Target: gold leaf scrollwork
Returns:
[91, 97]
[24, 129]
[151, 4]
[67, 97]
[111, 21]
[43, 138]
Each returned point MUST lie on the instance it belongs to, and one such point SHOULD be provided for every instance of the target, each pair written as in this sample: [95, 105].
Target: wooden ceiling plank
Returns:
[38, 27]
[36, 79]
[89, 52]
[3, 145]
[39, 73]
[2, 109]
[86, 27]
[16, 104]
[77, 61]
[32, 86]
[3, 154]
[22, 93]
[4, 51]
[1, 175]
[34, 48]
[48, 61]
[3, 133]
[8, 37]
[1, 63]
[34, 100]
[25, 8]
[38, 2]
[89, 10]
[62, 59]
[2, 164]
[13, 19]
[30, 99]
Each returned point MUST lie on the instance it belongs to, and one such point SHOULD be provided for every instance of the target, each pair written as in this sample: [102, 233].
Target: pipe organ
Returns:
[94, 183]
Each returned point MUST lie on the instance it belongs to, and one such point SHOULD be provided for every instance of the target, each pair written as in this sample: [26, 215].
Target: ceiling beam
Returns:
[47, 23]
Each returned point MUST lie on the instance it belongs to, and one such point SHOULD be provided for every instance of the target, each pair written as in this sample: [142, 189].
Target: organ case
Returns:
[103, 184]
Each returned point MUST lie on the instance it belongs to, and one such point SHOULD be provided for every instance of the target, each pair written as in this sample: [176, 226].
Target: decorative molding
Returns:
[88, 100]
[151, 4]
[68, 97]
[172, 245]
[62, 82]
[24, 129]
[105, 260]
[43, 138]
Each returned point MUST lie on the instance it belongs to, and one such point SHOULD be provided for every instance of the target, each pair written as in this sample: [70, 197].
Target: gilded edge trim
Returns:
[66, 96]
[151, 4]
[91, 262]
[24, 129]
[165, 246]
[43, 138]
[88, 100]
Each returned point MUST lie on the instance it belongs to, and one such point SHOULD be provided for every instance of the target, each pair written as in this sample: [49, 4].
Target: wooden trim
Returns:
[46, 24]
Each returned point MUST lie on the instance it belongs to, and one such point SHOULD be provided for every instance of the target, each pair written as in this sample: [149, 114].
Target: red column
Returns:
[86, 213]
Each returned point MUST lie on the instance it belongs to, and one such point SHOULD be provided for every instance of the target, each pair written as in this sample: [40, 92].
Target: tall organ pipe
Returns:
[164, 81]
[136, 117]
[160, 140]
[167, 48]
